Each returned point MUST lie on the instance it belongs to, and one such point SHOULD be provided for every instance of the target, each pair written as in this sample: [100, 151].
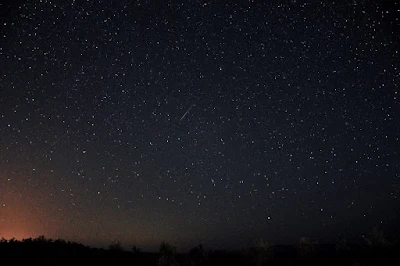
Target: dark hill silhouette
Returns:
[41, 251]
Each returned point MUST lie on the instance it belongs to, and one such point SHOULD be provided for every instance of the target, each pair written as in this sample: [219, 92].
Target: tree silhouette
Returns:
[115, 246]
[342, 245]
[261, 252]
[376, 238]
[135, 249]
[167, 254]
[305, 246]
[198, 256]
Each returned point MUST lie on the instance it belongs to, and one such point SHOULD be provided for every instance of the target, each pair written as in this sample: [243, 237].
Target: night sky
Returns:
[218, 122]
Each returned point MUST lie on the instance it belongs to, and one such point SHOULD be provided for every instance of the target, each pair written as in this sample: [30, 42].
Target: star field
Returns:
[201, 121]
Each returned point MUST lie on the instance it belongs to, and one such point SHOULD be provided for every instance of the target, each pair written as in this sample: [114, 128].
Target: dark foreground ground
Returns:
[59, 252]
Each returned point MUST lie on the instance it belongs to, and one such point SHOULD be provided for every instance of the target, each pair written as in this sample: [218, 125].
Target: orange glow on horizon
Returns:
[17, 233]
[22, 210]
[18, 222]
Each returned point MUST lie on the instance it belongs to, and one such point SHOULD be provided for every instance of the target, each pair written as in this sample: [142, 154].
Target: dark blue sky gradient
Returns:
[213, 122]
